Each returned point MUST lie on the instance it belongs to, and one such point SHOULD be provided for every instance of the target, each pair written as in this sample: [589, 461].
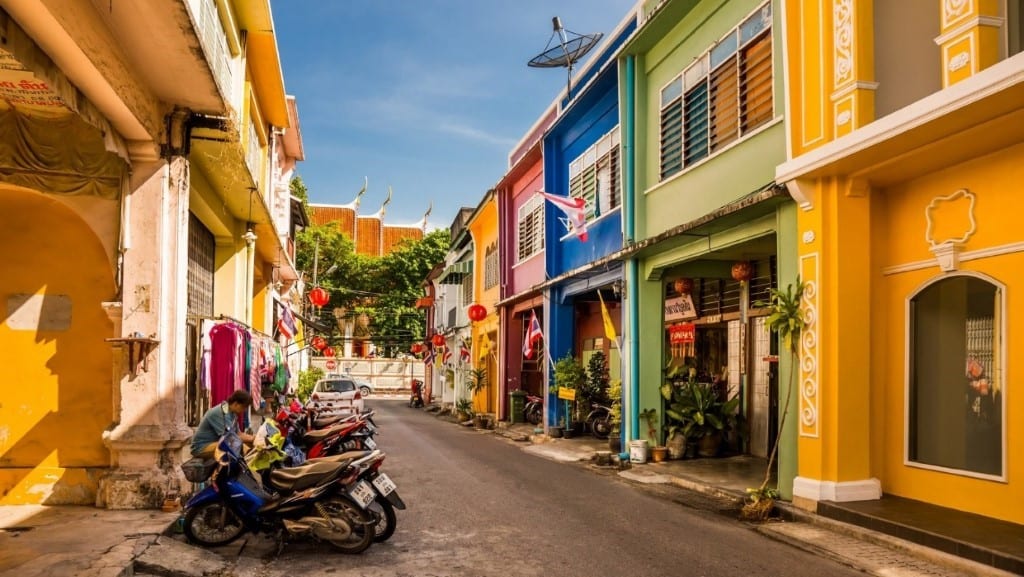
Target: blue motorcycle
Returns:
[312, 501]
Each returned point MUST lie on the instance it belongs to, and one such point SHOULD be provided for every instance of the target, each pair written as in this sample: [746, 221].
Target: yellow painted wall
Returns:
[57, 395]
[995, 179]
[484, 230]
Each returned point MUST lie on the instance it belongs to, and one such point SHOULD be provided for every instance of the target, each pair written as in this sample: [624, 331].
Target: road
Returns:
[481, 506]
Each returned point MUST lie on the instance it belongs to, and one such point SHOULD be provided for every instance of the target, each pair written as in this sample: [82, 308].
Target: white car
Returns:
[365, 387]
[337, 394]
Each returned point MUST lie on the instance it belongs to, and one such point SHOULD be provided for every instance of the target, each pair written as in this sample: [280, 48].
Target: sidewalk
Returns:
[888, 537]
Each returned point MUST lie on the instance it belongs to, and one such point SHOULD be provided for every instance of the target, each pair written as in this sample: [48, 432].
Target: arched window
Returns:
[955, 394]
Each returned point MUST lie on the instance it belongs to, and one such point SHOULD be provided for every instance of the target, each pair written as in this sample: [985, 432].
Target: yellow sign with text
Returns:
[566, 394]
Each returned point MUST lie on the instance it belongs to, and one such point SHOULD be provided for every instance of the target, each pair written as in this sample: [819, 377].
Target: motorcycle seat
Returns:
[320, 434]
[346, 457]
[304, 476]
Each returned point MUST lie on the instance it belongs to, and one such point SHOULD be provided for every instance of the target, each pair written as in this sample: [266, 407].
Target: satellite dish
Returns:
[571, 47]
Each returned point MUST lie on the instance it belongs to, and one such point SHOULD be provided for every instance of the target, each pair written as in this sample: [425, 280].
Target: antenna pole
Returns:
[556, 22]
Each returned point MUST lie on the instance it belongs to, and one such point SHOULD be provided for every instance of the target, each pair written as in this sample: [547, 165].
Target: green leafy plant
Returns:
[478, 379]
[464, 406]
[650, 417]
[595, 385]
[615, 393]
[787, 320]
[694, 409]
[307, 380]
[569, 373]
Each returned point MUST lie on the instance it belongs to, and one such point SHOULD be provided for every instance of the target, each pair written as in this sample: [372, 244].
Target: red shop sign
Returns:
[682, 333]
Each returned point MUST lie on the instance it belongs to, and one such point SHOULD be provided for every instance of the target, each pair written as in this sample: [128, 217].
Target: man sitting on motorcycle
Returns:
[219, 420]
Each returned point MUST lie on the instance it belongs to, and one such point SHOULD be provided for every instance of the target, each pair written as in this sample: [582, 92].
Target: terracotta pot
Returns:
[659, 453]
[709, 444]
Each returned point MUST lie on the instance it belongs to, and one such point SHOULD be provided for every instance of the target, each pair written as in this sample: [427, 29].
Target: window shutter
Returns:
[672, 138]
[756, 83]
[724, 104]
[696, 131]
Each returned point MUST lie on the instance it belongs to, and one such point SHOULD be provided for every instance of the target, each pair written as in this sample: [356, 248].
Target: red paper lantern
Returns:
[416, 348]
[318, 342]
[328, 351]
[437, 340]
[319, 297]
[683, 286]
[742, 271]
[477, 312]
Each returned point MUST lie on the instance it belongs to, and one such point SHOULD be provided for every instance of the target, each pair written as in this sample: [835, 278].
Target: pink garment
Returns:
[227, 362]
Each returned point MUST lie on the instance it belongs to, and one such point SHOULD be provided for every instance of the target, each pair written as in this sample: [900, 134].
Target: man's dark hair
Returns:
[240, 397]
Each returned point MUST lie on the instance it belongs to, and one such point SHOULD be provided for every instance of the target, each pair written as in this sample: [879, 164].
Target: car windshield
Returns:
[337, 386]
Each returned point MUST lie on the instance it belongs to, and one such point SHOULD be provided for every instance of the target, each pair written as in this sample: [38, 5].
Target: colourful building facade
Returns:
[483, 228]
[905, 165]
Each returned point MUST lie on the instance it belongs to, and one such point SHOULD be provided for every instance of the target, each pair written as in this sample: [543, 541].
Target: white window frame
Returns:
[530, 228]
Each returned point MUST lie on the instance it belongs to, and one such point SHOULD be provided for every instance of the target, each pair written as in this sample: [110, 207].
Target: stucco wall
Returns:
[57, 398]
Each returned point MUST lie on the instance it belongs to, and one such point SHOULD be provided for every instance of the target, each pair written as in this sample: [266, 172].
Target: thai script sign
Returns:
[679, 308]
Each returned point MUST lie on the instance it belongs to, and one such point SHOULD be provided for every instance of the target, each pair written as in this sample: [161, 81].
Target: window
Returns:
[594, 176]
[724, 95]
[955, 395]
[531, 227]
[1014, 27]
[467, 289]
[491, 266]
[252, 153]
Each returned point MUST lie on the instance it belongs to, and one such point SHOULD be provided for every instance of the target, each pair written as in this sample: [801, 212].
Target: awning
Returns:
[454, 273]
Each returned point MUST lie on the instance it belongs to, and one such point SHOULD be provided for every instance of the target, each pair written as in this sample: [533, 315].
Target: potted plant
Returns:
[699, 414]
[785, 318]
[658, 451]
[570, 374]
[464, 410]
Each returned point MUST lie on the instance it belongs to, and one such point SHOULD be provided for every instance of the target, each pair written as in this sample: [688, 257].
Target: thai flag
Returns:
[533, 334]
[464, 353]
[286, 322]
[447, 356]
[575, 212]
[428, 359]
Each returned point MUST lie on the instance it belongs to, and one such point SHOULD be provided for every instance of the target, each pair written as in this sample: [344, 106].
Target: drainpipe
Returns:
[250, 264]
[632, 278]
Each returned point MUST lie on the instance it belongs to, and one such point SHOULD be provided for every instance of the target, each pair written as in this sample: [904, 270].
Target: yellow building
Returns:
[140, 188]
[483, 228]
[906, 154]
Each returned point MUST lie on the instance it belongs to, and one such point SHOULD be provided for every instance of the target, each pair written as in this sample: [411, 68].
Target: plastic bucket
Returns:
[638, 451]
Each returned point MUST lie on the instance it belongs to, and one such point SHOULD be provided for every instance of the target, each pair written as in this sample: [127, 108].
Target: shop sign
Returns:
[682, 333]
[679, 308]
[566, 394]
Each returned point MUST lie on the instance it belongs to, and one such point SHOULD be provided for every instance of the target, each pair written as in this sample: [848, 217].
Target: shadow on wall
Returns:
[58, 397]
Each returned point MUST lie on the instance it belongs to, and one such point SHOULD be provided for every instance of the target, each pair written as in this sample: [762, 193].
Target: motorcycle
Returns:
[380, 494]
[416, 400]
[313, 500]
[533, 411]
[599, 421]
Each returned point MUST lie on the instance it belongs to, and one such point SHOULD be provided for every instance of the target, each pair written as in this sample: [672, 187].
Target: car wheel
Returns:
[364, 391]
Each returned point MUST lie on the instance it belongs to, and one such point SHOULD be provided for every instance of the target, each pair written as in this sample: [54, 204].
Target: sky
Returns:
[425, 96]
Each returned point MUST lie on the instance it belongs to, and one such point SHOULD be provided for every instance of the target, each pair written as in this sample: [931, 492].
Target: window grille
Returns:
[724, 95]
[595, 176]
[199, 304]
[491, 267]
[531, 227]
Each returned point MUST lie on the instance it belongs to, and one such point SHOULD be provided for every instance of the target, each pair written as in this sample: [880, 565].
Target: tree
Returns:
[384, 288]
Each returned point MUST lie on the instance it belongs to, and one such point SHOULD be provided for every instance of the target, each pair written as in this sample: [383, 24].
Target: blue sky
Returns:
[427, 96]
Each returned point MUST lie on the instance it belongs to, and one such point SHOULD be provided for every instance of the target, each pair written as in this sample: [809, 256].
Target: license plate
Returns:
[384, 484]
[370, 443]
[361, 493]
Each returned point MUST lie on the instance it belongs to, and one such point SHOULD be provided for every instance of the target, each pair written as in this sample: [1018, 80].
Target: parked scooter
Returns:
[306, 501]
[533, 411]
[599, 421]
[416, 400]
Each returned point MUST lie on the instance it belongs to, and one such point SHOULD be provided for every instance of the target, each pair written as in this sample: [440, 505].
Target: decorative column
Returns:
[835, 349]
[970, 39]
[853, 86]
[149, 430]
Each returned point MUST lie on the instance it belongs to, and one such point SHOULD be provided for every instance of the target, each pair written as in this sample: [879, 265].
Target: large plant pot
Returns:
[676, 446]
[709, 444]
[555, 432]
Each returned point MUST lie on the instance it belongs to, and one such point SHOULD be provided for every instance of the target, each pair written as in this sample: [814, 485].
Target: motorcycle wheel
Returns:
[344, 511]
[384, 512]
[533, 415]
[212, 525]
[602, 426]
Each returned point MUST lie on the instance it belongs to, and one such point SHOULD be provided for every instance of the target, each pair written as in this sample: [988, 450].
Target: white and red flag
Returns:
[574, 210]
[533, 334]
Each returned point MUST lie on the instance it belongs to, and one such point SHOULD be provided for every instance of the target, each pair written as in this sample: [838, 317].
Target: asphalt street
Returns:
[481, 506]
